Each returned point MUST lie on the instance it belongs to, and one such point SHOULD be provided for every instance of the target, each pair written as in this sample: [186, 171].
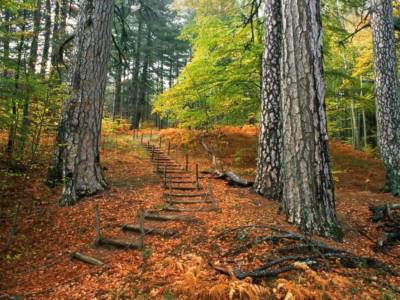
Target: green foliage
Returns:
[29, 102]
[220, 85]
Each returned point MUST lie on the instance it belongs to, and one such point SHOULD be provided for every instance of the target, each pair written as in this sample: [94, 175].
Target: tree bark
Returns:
[82, 172]
[308, 193]
[387, 95]
[268, 179]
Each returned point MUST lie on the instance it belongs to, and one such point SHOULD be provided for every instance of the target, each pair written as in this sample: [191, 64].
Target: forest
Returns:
[199, 149]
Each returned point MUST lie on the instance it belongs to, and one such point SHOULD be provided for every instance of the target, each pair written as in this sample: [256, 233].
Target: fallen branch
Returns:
[268, 273]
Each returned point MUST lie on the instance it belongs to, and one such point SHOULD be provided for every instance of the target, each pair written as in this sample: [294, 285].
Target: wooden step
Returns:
[183, 182]
[182, 188]
[184, 195]
[136, 228]
[117, 243]
[157, 217]
[179, 209]
[187, 201]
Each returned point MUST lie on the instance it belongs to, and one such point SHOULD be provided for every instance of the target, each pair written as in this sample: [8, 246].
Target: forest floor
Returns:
[187, 265]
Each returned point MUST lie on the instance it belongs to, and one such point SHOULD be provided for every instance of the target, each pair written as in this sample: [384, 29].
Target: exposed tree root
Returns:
[301, 249]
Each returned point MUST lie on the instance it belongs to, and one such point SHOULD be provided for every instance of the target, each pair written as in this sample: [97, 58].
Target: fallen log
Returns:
[388, 238]
[231, 177]
[382, 212]
[86, 259]
[155, 231]
[234, 180]
[391, 226]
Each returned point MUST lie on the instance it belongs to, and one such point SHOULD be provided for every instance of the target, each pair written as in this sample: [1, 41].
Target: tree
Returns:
[47, 34]
[387, 95]
[268, 179]
[308, 193]
[82, 115]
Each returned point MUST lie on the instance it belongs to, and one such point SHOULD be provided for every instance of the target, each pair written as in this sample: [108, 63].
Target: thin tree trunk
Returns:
[135, 114]
[387, 95]
[56, 34]
[268, 181]
[355, 127]
[12, 135]
[82, 172]
[117, 101]
[47, 34]
[35, 37]
[308, 193]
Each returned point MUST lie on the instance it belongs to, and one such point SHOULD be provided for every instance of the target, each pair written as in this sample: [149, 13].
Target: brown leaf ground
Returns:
[38, 266]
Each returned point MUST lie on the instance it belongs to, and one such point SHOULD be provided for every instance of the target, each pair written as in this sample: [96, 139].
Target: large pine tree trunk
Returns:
[82, 172]
[387, 95]
[268, 181]
[308, 194]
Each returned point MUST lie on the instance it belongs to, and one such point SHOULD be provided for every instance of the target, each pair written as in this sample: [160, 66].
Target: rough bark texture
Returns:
[268, 181]
[82, 172]
[308, 194]
[387, 95]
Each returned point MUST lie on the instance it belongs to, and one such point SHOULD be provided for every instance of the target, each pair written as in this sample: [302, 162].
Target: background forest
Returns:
[188, 64]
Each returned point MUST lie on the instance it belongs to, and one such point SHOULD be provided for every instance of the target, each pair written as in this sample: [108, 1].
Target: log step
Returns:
[168, 217]
[174, 172]
[179, 209]
[183, 182]
[136, 228]
[187, 201]
[86, 259]
[184, 195]
[116, 243]
[182, 188]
